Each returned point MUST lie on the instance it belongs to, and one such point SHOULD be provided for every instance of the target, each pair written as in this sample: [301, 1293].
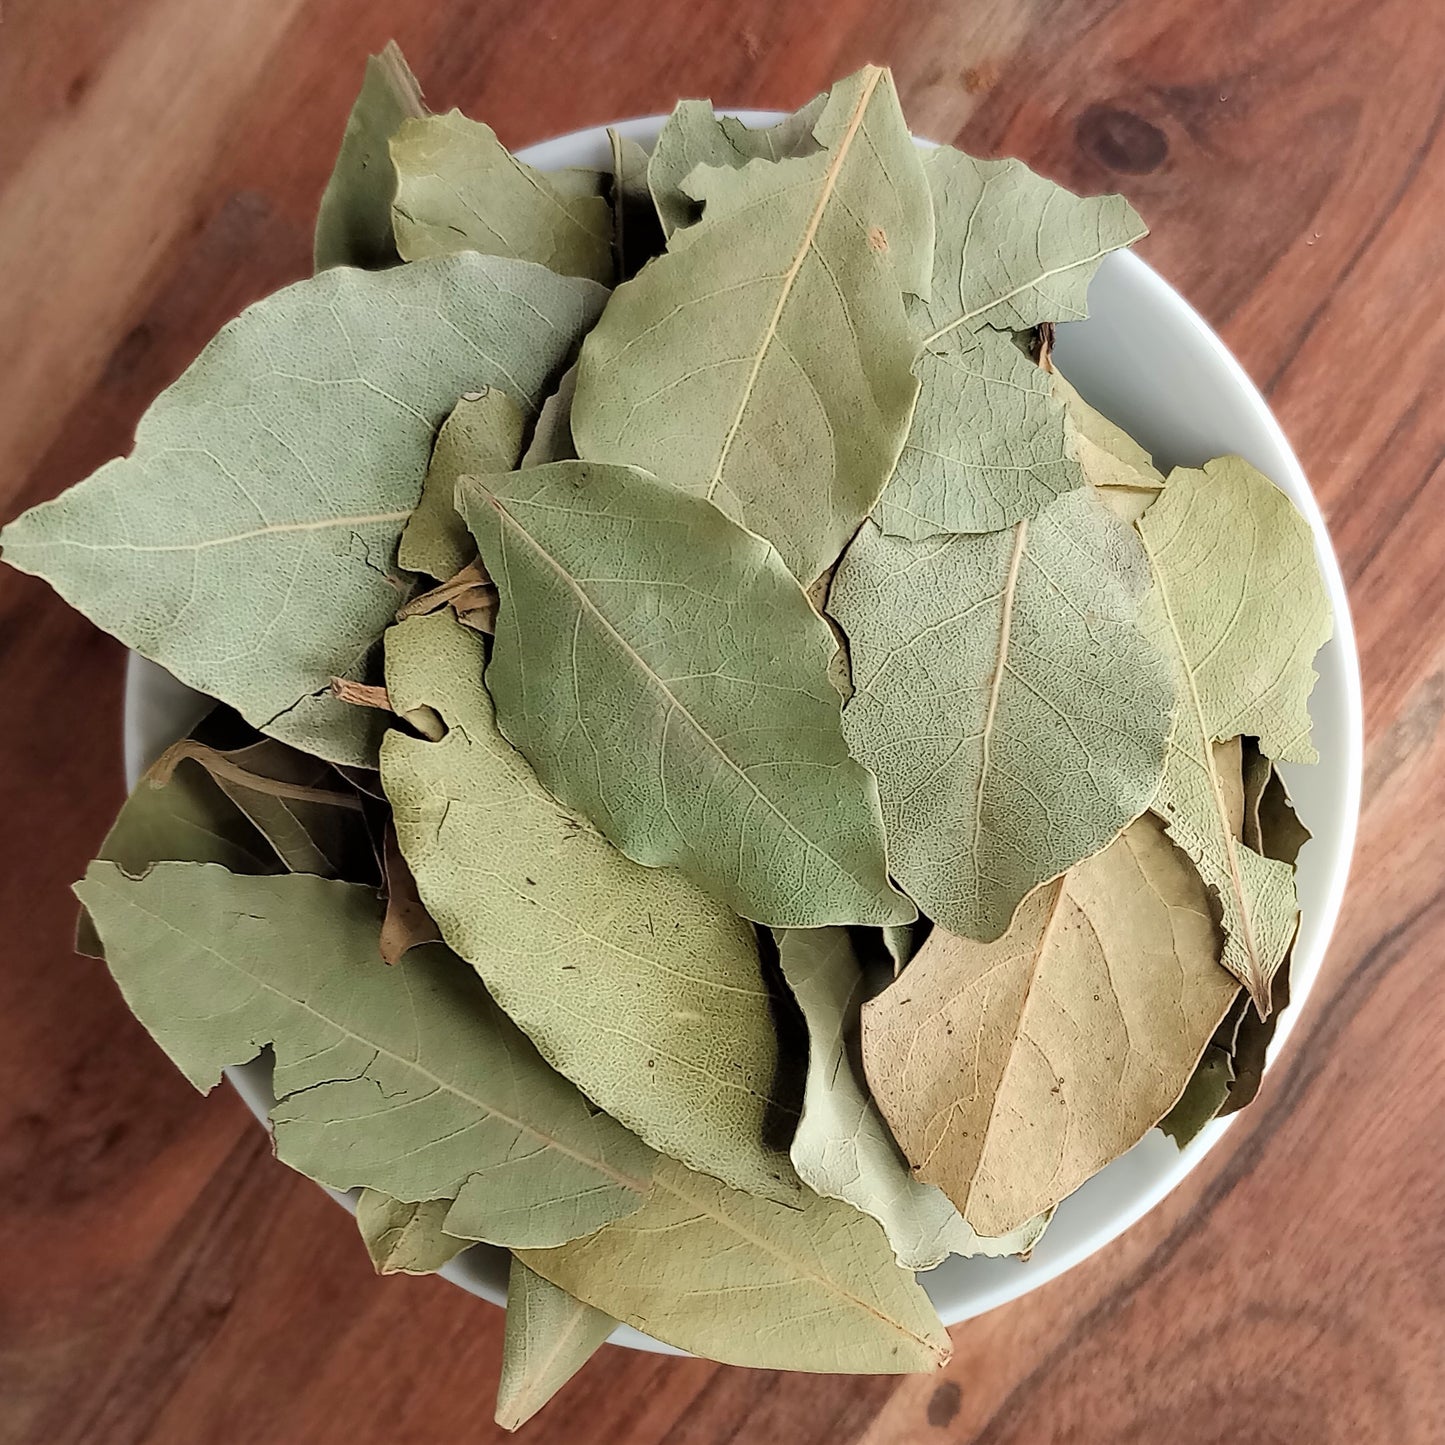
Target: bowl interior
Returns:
[1150, 363]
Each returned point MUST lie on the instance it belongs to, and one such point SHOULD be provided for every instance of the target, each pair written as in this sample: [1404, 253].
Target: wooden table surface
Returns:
[162, 1280]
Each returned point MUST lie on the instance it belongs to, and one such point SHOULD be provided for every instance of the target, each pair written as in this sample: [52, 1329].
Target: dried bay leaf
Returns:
[404, 1238]
[1011, 1072]
[406, 1080]
[776, 327]
[694, 135]
[267, 489]
[902, 940]
[1271, 825]
[482, 434]
[1007, 700]
[843, 1149]
[989, 441]
[179, 814]
[574, 182]
[550, 1335]
[309, 815]
[459, 188]
[353, 224]
[1111, 459]
[750, 1282]
[1013, 249]
[552, 436]
[1202, 1099]
[1271, 828]
[366, 781]
[632, 982]
[1233, 522]
[1128, 503]
[233, 805]
[1241, 611]
[480, 614]
[988, 444]
[469, 591]
[636, 230]
[1252, 1037]
[865, 104]
[1255, 772]
[667, 678]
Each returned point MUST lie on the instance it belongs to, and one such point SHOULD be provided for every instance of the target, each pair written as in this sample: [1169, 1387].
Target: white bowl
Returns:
[1149, 362]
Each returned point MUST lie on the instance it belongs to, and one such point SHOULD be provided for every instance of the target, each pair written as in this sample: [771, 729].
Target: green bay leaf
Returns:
[988, 445]
[177, 813]
[482, 434]
[550, 1335]
[406, 1238]
[268, 486]
[843, 1149]
[694, 135]
[1110, 457]
[750, 1282]
[776, 327]
[353, 224]
[632, 981]
[408, 1080]
[1203, 1097]
[307, 812]
[901, 941]
[459, 188]
[1012, 1071]
[668, 678]
[1013, 249]
[552, 436]
[1007, 700]
[1241, 611]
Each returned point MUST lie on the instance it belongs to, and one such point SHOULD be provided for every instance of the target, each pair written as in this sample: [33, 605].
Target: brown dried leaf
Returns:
[1012, 1071]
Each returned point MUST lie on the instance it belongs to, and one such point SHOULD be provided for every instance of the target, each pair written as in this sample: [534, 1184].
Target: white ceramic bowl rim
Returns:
[1150, 363]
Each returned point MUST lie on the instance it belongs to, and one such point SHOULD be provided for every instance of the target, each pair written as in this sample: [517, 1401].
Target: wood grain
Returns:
[163, 1280]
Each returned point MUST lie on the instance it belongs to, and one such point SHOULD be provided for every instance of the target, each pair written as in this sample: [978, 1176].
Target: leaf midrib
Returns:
[1010, 588]
[272, 529]
[218, 765]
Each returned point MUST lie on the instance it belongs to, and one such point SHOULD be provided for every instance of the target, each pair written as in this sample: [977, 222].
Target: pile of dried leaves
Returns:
[734, 787]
